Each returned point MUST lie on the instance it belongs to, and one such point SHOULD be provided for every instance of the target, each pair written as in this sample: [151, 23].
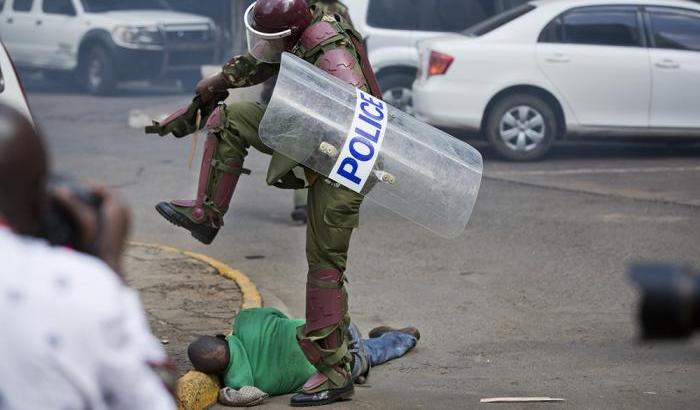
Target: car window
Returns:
[103, 6]
[433, 15]
[498, 20]
[450, 15]
[58, 7]
[22, 5]
[553, 32]
[607, 26]
[678, 30]
[2, 82]
[393, 14]
[64, 7]
[2, 5]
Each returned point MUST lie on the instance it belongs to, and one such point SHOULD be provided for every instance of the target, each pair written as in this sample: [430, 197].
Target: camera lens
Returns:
[670, 305]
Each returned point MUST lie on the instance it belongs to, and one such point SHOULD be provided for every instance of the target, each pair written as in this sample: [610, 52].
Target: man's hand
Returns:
[212, 89]
[102, 232]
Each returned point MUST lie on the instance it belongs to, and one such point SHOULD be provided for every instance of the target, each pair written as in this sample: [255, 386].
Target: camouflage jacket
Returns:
[245, 71]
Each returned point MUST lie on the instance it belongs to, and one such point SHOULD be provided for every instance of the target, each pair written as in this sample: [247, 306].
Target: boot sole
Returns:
[344, 397]
[184, 222]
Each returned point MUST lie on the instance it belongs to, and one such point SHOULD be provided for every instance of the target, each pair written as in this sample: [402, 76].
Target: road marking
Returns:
[583, 171]
[251, 296]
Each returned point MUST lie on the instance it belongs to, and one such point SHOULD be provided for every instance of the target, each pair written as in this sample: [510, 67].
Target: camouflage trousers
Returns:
[333, 213]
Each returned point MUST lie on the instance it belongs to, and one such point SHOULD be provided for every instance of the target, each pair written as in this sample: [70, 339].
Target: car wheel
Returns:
[97, 73]
[189, 80]
[521, 127]
[397, 90]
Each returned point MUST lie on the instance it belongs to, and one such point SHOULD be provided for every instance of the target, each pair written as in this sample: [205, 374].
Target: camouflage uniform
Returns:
[333, 211]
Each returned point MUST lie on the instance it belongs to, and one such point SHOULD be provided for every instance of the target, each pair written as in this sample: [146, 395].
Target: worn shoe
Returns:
[203, 232]
[324, 397]
[379, 331]
[299, 214]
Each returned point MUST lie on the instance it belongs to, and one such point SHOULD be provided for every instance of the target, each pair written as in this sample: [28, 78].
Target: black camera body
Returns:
[59, 227]
[670, 304]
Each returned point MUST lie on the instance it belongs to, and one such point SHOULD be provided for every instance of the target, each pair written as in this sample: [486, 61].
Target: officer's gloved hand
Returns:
[212, 89]
[181, 123]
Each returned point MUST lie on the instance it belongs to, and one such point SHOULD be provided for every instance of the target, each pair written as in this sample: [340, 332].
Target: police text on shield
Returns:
[363, 144]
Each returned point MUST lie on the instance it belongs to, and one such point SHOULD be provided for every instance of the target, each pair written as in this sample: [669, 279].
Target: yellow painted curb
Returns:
[196, 390]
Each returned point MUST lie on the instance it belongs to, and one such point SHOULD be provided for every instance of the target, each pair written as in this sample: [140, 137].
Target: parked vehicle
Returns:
[100, 42]
[392, 28]
[10, 88]
[551, 69]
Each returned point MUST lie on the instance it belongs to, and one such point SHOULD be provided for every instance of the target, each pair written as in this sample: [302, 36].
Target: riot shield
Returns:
[357, 140]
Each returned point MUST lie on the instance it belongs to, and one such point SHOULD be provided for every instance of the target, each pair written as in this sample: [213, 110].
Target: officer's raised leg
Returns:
[231, 131]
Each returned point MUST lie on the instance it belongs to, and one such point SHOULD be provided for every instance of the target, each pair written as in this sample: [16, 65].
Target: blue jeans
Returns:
[368, 353]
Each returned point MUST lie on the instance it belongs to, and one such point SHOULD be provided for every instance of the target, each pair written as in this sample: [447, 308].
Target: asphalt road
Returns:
[531, 300]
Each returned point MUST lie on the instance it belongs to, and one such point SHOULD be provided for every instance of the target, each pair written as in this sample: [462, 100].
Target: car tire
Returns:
[96, 71]
[189, 80]
[521, 127]
[397, 90]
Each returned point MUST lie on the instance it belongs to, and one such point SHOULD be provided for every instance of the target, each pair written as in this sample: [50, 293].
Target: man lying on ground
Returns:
[262, 357]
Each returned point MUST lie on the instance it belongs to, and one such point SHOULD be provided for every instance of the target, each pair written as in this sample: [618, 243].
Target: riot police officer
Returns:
[326, 39]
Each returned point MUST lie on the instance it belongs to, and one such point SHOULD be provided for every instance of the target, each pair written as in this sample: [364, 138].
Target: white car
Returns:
[550, 69]
[393, 27]
[100, 42]
[11, 92]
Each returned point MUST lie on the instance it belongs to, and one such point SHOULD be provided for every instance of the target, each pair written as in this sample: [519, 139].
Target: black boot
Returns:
[379, 331]
[299, 214]
[325, 396]
[204, 233]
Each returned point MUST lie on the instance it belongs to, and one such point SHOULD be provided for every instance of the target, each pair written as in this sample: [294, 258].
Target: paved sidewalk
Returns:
[183, 297]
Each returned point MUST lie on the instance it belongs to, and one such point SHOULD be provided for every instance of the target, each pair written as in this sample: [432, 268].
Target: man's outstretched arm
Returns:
[241, 71]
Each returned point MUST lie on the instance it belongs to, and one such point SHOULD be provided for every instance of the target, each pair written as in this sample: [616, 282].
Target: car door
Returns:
[59, 37]
[597, 59]
[675, 58]
[18, 32]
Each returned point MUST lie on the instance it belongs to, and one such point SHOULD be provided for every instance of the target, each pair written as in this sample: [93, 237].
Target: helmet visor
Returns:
[265, 47]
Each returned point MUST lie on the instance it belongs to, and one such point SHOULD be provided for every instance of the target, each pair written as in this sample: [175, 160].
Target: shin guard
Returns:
[323, 337]
[217, 180]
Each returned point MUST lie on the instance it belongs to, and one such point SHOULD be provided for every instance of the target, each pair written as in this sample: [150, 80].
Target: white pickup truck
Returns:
[101, 42]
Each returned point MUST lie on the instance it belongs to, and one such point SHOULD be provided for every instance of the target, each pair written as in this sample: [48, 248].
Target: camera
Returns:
[670, 301]
[58, 226]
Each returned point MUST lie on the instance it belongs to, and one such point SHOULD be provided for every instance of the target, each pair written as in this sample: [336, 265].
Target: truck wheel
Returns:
[521, 127]
[96, 71]
[397, 90]
[189, 80]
